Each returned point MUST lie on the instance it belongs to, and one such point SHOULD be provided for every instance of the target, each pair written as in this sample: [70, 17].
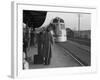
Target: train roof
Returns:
[58, 19]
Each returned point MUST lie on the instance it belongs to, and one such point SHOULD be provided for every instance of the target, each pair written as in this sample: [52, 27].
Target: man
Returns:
[38, 59]
[25, 45]
[40, 43]
[47, 42]
[26, 39]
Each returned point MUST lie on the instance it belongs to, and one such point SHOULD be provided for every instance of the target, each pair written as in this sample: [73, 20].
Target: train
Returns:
[59, 29]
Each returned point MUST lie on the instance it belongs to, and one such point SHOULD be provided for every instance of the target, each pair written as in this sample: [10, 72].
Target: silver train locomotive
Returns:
[59, 29]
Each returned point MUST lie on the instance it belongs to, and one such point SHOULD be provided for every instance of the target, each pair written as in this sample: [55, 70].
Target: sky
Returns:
[71, 20]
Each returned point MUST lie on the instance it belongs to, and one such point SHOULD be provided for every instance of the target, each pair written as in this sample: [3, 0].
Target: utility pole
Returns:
[79, 24]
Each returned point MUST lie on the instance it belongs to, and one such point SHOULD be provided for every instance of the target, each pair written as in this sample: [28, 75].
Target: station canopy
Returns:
[33, 18]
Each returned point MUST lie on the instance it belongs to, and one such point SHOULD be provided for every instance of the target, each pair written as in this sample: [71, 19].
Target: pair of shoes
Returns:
[47, 63]
[44, 63]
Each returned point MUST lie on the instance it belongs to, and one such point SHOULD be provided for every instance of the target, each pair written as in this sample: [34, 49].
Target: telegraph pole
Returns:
[79, 24]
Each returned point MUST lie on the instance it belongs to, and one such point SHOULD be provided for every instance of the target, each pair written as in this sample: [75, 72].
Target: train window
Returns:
[61, 20]
[55, 21]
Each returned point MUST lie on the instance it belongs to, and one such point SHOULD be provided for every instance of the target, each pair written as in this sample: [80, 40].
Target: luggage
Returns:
[38, 59]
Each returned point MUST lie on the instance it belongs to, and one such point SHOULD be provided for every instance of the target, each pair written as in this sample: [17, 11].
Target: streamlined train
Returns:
[59, 29]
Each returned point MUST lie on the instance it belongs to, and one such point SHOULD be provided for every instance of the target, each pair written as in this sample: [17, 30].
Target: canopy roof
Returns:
[34, 18]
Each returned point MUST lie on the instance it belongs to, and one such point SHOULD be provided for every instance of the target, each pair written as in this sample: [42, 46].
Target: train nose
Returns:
[60, 30]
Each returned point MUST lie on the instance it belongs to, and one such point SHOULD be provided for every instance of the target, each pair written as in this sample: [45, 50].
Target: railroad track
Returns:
[73, 56]
[82, 48]
[87, 43]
